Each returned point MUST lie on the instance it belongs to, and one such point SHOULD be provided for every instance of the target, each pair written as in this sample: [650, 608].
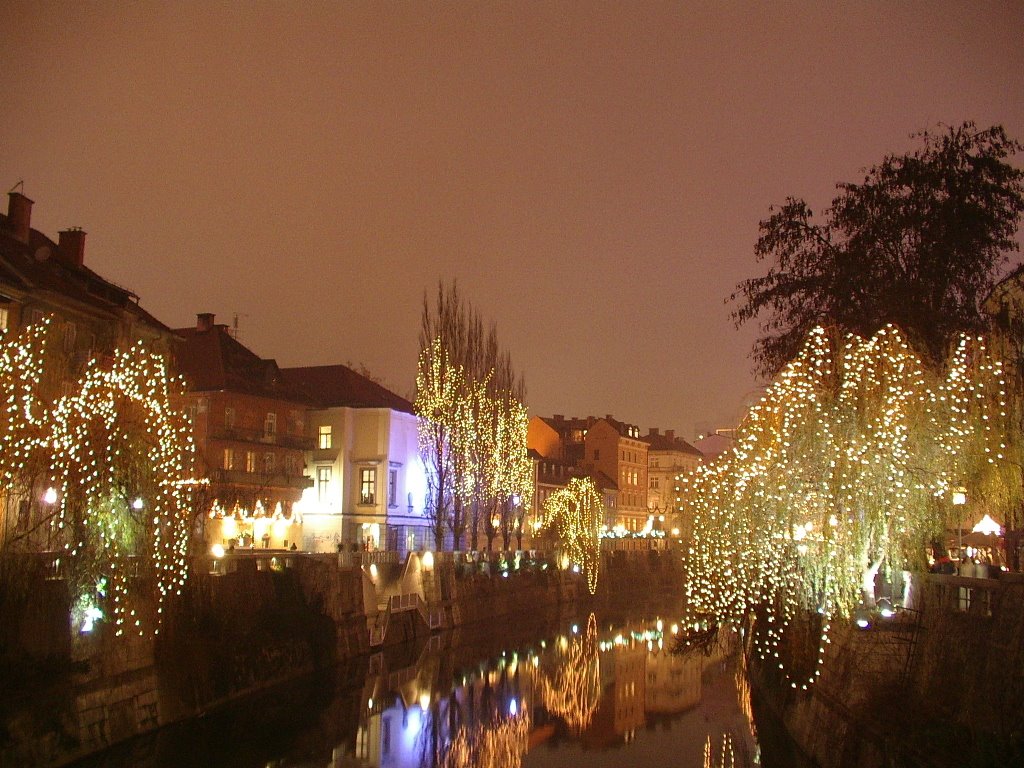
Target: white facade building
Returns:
[369, 485]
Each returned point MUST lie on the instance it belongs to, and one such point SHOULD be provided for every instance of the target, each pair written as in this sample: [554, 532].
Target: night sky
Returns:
[593, 174]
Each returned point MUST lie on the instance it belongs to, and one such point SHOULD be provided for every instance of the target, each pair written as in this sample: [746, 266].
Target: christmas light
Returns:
[848, 461]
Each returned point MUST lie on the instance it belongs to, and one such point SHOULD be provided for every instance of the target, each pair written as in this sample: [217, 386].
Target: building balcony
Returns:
[325, 454]
[246, 435]
[260, 479]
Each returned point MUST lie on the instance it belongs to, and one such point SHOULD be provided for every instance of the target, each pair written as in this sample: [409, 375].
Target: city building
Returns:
[600, 445]
[91, 317]
[551, 475]
[668, 457]
[368, 485]
[250, 432]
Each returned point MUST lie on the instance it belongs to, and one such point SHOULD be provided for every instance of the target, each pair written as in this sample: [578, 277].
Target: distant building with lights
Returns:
[552, 475]
[668, 457]
[91, 317]
[605, 445]
[368, 485]
[251, 437]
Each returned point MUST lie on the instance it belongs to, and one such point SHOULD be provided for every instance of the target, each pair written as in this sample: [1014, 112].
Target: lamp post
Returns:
[959, 499]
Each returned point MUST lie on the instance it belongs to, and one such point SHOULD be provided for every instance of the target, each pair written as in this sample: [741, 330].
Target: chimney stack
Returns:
[670, 434]
[71, 246]
[204, 321]
[652, 431]
[19, 215]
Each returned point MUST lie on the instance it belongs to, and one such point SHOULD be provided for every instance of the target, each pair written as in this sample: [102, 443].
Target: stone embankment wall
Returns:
[939, 685]
[256, 622]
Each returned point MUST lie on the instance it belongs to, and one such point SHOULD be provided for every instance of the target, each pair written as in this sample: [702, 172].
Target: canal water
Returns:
[596, 689]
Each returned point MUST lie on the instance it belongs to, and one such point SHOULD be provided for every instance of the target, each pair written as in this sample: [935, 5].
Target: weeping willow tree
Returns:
[122, 465]
[575, 512]
[103, 476]
[848, 462]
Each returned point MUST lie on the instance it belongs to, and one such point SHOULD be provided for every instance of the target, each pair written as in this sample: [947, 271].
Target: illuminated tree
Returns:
[576, 512]
[918, 244]
[23, 424]
[123, 461]
[117, 460]
[470, 403]
[438, 384]
[848, 462]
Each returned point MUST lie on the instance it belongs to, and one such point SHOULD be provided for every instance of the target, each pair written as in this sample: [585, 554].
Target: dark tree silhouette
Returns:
[919, 243]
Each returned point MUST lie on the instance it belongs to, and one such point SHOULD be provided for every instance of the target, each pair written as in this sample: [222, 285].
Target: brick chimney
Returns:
[71, 246]
[204, 321]
[652, 431]
[670, 434]
[19, 215]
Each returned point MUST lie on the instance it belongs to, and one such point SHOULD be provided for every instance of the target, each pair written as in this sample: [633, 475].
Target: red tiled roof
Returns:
[212, 361]
[331, 386]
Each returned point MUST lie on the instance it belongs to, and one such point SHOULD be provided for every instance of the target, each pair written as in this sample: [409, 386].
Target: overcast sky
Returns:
[593, 174]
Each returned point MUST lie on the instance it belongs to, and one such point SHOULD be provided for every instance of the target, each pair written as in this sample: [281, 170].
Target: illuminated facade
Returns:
[668, 456]
[368, 486]
[600, 446]
[250, 432]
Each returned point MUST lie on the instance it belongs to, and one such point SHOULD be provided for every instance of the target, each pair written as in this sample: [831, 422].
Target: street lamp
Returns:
[959, 499]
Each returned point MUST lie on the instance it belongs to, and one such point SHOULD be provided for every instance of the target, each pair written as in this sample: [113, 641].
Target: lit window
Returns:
[4, 318]
[229, 458]
[368, 485]
[270, 425]
[323, 481]
[250, 462]
[325, 436]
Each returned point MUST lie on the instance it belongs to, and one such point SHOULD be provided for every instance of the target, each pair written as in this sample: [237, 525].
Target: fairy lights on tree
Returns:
[122, 464]
[118, 459]
[847, 463]
[576, 512]
[472, 430]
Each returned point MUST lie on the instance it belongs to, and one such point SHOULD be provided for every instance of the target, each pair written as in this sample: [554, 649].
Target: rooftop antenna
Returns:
[235, 325]
[21, 184]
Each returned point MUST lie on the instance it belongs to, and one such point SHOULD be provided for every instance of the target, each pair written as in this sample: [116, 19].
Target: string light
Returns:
[117, 455]
[576, 511]
[847, 461]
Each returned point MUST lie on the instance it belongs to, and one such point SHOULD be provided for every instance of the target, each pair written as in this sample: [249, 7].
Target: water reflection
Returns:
[581, 690]
[604, 688]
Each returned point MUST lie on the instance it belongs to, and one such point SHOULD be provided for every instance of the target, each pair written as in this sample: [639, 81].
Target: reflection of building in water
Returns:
[621, 711]
[603, 692]
[673, 682]
[408, 724]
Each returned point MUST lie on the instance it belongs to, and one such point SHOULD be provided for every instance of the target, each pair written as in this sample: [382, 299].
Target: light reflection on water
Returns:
[590, 692]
